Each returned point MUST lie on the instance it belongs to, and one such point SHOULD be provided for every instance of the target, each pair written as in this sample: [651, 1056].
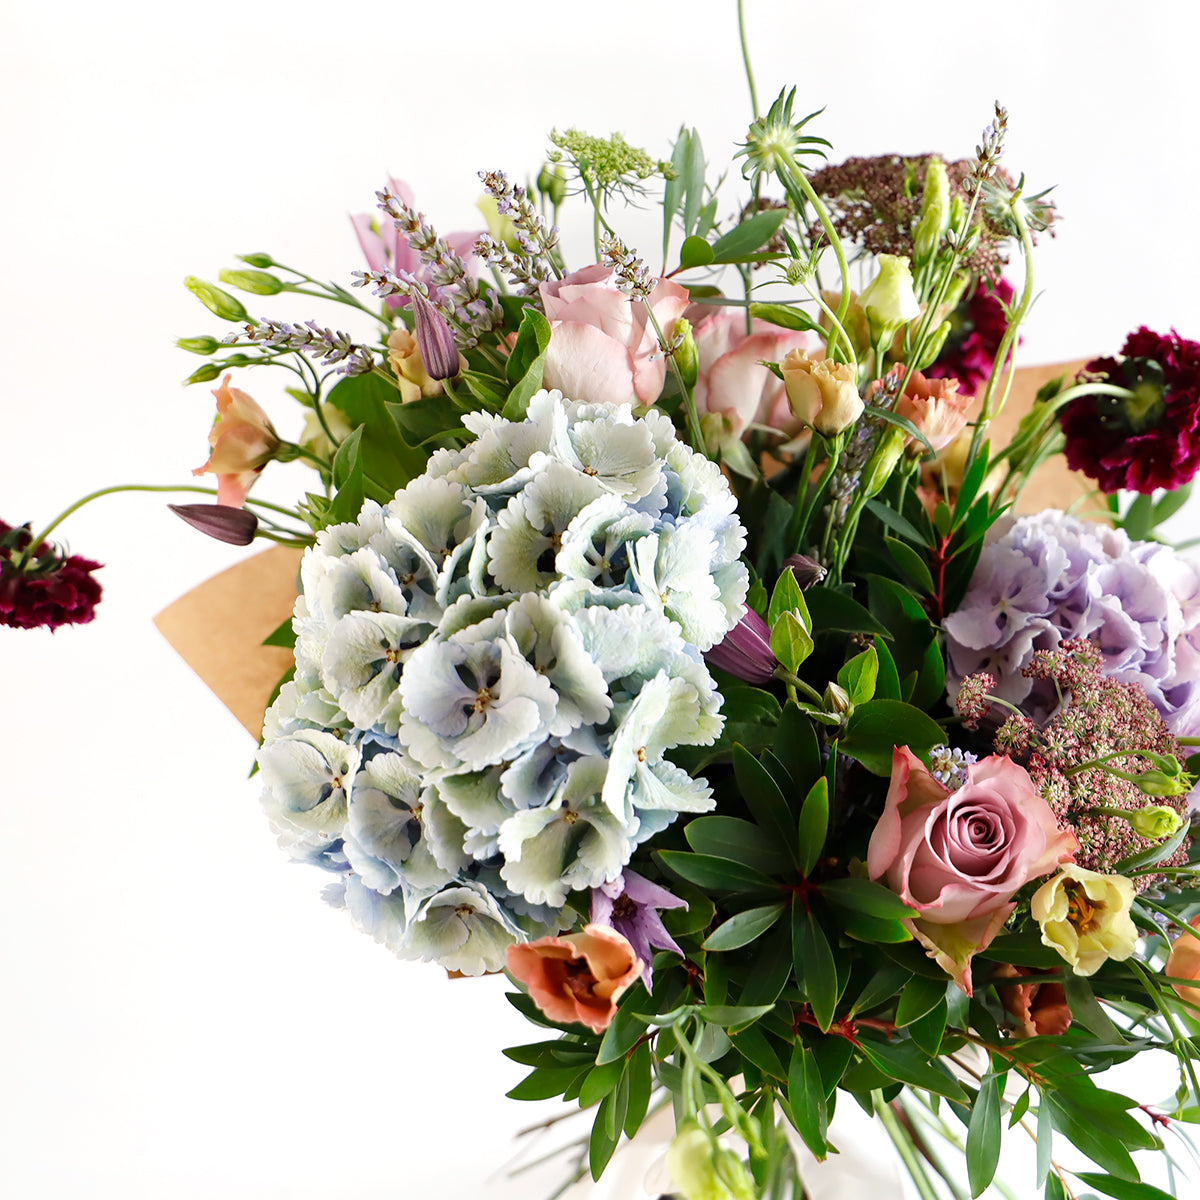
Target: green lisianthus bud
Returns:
[686, 357]
[889, 299]
[1159, 783]
[258, 283]
[199, 345]
[227, 307]
[703, 1170]
[1155, 822]
[933, 347]
[552, 183]
[935, 213]
[883, 460]
[257, 260]
[204, 374]
[837, 700]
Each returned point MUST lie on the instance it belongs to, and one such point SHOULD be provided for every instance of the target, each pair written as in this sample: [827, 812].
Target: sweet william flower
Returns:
[47, 591]
[577, 977]
[822, 393]
[243, 441]
[1085, 917]
[958, 857]
[603, 348]
[1184, 963]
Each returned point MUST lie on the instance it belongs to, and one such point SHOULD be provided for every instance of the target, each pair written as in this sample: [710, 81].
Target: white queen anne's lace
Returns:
[491, 670]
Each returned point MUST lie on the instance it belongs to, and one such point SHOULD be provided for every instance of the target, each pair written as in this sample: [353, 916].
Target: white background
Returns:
[181, 1014]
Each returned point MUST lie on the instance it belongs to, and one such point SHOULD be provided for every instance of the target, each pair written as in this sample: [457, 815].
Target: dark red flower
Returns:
[1147, 442]
[47, 589]
[977, 326]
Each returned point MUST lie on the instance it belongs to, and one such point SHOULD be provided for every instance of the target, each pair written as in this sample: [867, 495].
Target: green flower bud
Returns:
[258, 283]
[837, 700]
[1156, 822]
[889, 300]
[933, 346]
[935, 213]
[227, 307]
[686, 358]
[1158, 783]
[257, 260]
[883, 460]
[703, 1170]
[204, 374]
[552, 183]
[499, 224]
[199, 345]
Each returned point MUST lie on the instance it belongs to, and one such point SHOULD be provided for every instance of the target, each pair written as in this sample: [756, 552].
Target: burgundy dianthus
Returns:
[62, 592]
[1153, 442]
[978, 326]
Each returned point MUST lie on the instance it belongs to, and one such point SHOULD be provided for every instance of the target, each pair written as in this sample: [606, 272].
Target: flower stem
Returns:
[904, 1148]
[741, 17]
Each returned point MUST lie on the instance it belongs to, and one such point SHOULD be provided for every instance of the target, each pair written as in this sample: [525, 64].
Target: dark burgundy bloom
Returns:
[977, 326]
[47, 589]
[1151, 440]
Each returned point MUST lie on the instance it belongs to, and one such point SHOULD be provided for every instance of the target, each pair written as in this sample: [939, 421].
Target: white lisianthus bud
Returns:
[889, 299]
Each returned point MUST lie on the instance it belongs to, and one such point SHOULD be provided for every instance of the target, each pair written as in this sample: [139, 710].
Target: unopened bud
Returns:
[745, 652]
[883, 461]
[199, 345]
[1158, 783]
[1155, 822]
[889, 299]
[837, 699]
[227, 307]
[257, 260]
[935, 213]
[221, 521]
[933, 347]
[435, 339]
[808, 571]
[552, 183]
[258, 283]
[204, 374]
[686, 358]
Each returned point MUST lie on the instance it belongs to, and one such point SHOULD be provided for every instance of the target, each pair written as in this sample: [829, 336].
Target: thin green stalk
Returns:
[695, 432]
[904, 1148]
[1179, 1041]
[746, 60]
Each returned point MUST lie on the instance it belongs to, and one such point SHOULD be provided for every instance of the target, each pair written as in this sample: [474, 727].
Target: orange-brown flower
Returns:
[577, 977]
[1039, 1008]
[1184, 963]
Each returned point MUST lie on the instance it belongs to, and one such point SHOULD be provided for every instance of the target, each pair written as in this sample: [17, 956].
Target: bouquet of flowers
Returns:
[669, 639]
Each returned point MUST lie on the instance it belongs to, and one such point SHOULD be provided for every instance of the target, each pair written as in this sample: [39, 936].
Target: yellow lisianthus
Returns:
[1085, 917]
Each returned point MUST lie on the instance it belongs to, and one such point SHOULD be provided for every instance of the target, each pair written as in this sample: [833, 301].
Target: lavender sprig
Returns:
[333, 346]
[633, 276]
[533, 261]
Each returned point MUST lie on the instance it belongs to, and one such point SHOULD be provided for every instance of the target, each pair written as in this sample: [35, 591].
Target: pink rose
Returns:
[603, 348]
[579, 977]
[731, 379]
[243, 441]
[959, 857]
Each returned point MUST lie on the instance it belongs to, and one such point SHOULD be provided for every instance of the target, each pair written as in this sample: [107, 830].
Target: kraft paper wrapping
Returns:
[218, 627]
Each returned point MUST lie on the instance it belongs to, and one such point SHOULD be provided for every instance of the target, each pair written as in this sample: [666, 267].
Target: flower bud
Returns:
[199, 345]
[808, 571]
[933, 347]
[883, 460]
[822, 393]
[435, 339]
[257, 260]
[499, 224]
[837, 700]
[746, 651]
[686, 357]
[935, 213]
[552, 183]
[1156, 822]
[1157, 783]
[889, 299]
[258, 283]
[703, 1170]
[227, 307]
[236, 526]
[204, 374]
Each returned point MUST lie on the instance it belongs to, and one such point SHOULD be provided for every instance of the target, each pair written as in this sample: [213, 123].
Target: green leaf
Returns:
[603, 1142]
[625, 1028]
[865, 928]
[755, 1047]
[487, 389]
[1086, 1009]
[984, 1134]
[1121, 1189]
[282, 635]
[858, 676]
[877, 727]
[791, 643]
[772, 968]
[1097, 1142]
[543, 1083]
[796, 746]
[815, 968]
[718, 874]
[763, 798]
[906, 1062]
[1054, 1187]
[426, 420]
[834, 612]
[533, 337]
[1171, 503]
[731, 1016]
[1139, 520]
[868, 897]
[887, 687]
[788, 597]
[741, 841]
[893, 520]
[600, 1081]
[1045, 1142]
[919, 997]
[742, 928]
[813, 826]
[641, 1085]
[695, 252]
[911, 563]
[806, 1100]
[389, 461]
[882, 986]
[928, 1031]
[1152, 855]
[752, 234]
[550, 1054]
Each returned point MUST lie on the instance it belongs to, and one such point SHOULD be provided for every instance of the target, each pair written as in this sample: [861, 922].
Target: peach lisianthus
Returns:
[577, 976]
[823, 394]
[1184, 963]
[935, 407]
[243, 441]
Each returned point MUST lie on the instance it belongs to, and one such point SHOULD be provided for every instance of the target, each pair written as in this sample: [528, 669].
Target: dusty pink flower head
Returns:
[603, 348]
[959, 857]
[243, 441]
[577, 976]
[935, 407]
[731, 379]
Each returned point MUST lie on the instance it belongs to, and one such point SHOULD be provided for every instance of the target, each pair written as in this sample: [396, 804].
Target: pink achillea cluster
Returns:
[1102, 716]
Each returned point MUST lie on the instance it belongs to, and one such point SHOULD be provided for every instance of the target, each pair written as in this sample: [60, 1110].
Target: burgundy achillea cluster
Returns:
[1102, 717]
[977, 326]
[1151, 441]
[48, 590]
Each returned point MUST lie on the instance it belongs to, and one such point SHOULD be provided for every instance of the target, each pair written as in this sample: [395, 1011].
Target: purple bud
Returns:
[435, 339]
[221, 521]
[808, 571]
[746, 650]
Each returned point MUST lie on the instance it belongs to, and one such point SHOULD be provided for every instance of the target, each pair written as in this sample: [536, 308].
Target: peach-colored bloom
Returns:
[578, 976]
[822, 393]
[243, 441]
[1184, 963]
[935, 407]
[959, 857]
[731, 379]
[603, 348]
[1039, 1009]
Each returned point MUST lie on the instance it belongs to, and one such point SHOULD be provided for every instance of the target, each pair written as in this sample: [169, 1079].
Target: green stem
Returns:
[1179, 1042]
[746, 60]
[695, 432]
[904, 1148]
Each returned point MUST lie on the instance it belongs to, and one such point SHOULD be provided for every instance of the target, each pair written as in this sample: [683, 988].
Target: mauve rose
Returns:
[578, 976]
[1039, 1008]
[243, 441]
[603, 348]
[959, 857]
[732, 380]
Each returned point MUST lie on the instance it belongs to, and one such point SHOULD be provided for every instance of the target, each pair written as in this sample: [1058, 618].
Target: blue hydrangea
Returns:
[491, 671]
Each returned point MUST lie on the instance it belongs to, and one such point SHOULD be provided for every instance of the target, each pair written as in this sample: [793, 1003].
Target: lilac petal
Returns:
[746, 650]
[221, 521]
[435, 340]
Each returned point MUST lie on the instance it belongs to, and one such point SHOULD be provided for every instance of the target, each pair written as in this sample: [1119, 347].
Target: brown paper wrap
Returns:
[219, 627]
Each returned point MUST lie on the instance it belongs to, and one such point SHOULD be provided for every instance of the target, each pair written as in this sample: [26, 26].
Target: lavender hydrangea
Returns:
[491, 670]
[1043, 579]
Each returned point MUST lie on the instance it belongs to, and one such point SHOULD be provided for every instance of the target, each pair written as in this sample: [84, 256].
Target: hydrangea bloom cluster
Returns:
[1044, 578]
[490, 670]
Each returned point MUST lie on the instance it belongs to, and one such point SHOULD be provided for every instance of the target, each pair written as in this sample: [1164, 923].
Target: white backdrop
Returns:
[182, 1015]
